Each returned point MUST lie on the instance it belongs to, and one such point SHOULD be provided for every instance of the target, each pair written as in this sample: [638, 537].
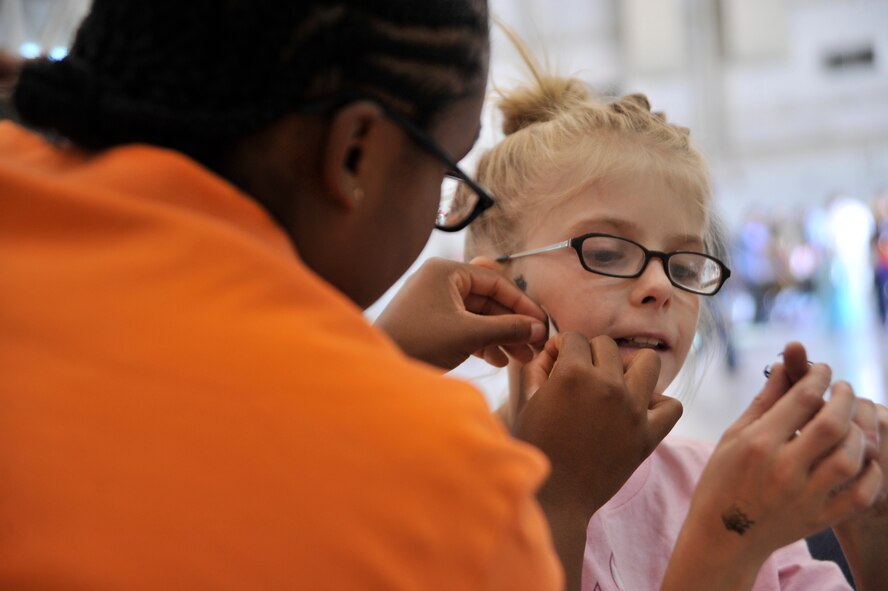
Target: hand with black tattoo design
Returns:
[791, 465]
[736, 520]
[864, 537]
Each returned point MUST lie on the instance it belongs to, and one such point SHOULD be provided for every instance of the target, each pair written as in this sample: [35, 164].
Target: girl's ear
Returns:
[345, 169]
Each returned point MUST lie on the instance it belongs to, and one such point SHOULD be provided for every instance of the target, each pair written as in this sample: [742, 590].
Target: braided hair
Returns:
[559, 128]
[197, 76]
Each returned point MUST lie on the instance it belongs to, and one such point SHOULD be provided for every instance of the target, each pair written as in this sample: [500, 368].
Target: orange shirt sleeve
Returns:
[186, 405]
[524, 559]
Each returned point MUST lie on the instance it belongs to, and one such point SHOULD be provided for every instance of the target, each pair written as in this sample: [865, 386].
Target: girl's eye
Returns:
[684, 272]
[604, 258]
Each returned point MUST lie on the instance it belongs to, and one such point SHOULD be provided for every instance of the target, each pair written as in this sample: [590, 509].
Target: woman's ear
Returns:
[345, 156]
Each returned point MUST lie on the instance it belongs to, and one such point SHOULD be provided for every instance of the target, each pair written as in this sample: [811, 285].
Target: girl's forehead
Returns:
[640, 206]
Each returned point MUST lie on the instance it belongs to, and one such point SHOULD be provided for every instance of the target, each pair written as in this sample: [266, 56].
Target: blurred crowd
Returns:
[827, 264]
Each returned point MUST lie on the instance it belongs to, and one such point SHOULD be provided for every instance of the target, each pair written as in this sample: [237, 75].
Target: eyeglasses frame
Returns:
[423, 140]
[577, 244]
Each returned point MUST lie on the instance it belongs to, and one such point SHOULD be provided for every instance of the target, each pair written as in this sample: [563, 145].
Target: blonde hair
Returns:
[559, 130]
[561, 138]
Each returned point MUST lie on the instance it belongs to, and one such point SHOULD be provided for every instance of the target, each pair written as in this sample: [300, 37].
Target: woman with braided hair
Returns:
[191, 397]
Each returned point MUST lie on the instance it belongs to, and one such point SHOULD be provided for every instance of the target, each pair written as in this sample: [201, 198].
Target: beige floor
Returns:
[858, 356]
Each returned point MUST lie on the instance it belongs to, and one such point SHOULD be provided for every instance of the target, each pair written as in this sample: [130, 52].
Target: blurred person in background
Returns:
[819, 238]
[880, 254]
[755, 262]
[850, 227]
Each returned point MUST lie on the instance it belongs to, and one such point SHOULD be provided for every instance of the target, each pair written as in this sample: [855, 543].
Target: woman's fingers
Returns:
[494, 356]
[479, 280]
[447, 311]
[521, 352]
[537, 371]
[485, 305]
[642, 373]
[606, 355]
[507, 330]
[572, 353]
[663, 413]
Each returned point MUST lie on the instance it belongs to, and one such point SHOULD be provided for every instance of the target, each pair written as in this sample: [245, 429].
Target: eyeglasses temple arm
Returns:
[508, 257]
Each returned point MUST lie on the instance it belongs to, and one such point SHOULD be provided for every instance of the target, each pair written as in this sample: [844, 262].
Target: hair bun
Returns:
[635, 103]
[543, 102]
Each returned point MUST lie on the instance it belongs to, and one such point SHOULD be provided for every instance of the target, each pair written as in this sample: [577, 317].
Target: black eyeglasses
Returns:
[455, 211]
[614, 256]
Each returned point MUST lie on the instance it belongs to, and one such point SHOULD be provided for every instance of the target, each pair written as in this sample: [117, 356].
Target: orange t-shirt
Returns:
[185, 405]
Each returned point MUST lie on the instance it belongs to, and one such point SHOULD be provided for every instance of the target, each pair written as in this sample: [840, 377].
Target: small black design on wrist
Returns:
[736, 520]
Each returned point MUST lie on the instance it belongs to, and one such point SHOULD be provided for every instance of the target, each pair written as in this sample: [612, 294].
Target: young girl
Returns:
[603, 219]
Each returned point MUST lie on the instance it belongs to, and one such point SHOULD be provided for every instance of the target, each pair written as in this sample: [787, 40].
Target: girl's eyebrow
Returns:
[627, 229]
[618, 225]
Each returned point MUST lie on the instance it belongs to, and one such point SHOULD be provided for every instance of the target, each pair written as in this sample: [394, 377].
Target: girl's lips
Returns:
[642, 342]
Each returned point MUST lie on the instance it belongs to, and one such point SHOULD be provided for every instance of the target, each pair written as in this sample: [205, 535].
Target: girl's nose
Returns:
[653, 287]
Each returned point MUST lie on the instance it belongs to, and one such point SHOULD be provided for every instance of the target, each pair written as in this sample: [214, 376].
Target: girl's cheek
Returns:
[520, 281]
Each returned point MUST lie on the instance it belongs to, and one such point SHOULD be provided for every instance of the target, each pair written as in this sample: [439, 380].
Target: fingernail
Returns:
[767, 370]
[537, 332]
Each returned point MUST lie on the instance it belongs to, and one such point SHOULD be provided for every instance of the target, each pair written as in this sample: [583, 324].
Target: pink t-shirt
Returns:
[630, 539]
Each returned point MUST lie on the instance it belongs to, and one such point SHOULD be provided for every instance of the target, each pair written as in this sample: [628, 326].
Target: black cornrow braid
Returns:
[199, 75]
[417, 87]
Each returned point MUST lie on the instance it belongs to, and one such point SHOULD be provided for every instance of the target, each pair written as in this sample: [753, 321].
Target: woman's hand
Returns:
[447, 311]
[596, 422]
[790, 466]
